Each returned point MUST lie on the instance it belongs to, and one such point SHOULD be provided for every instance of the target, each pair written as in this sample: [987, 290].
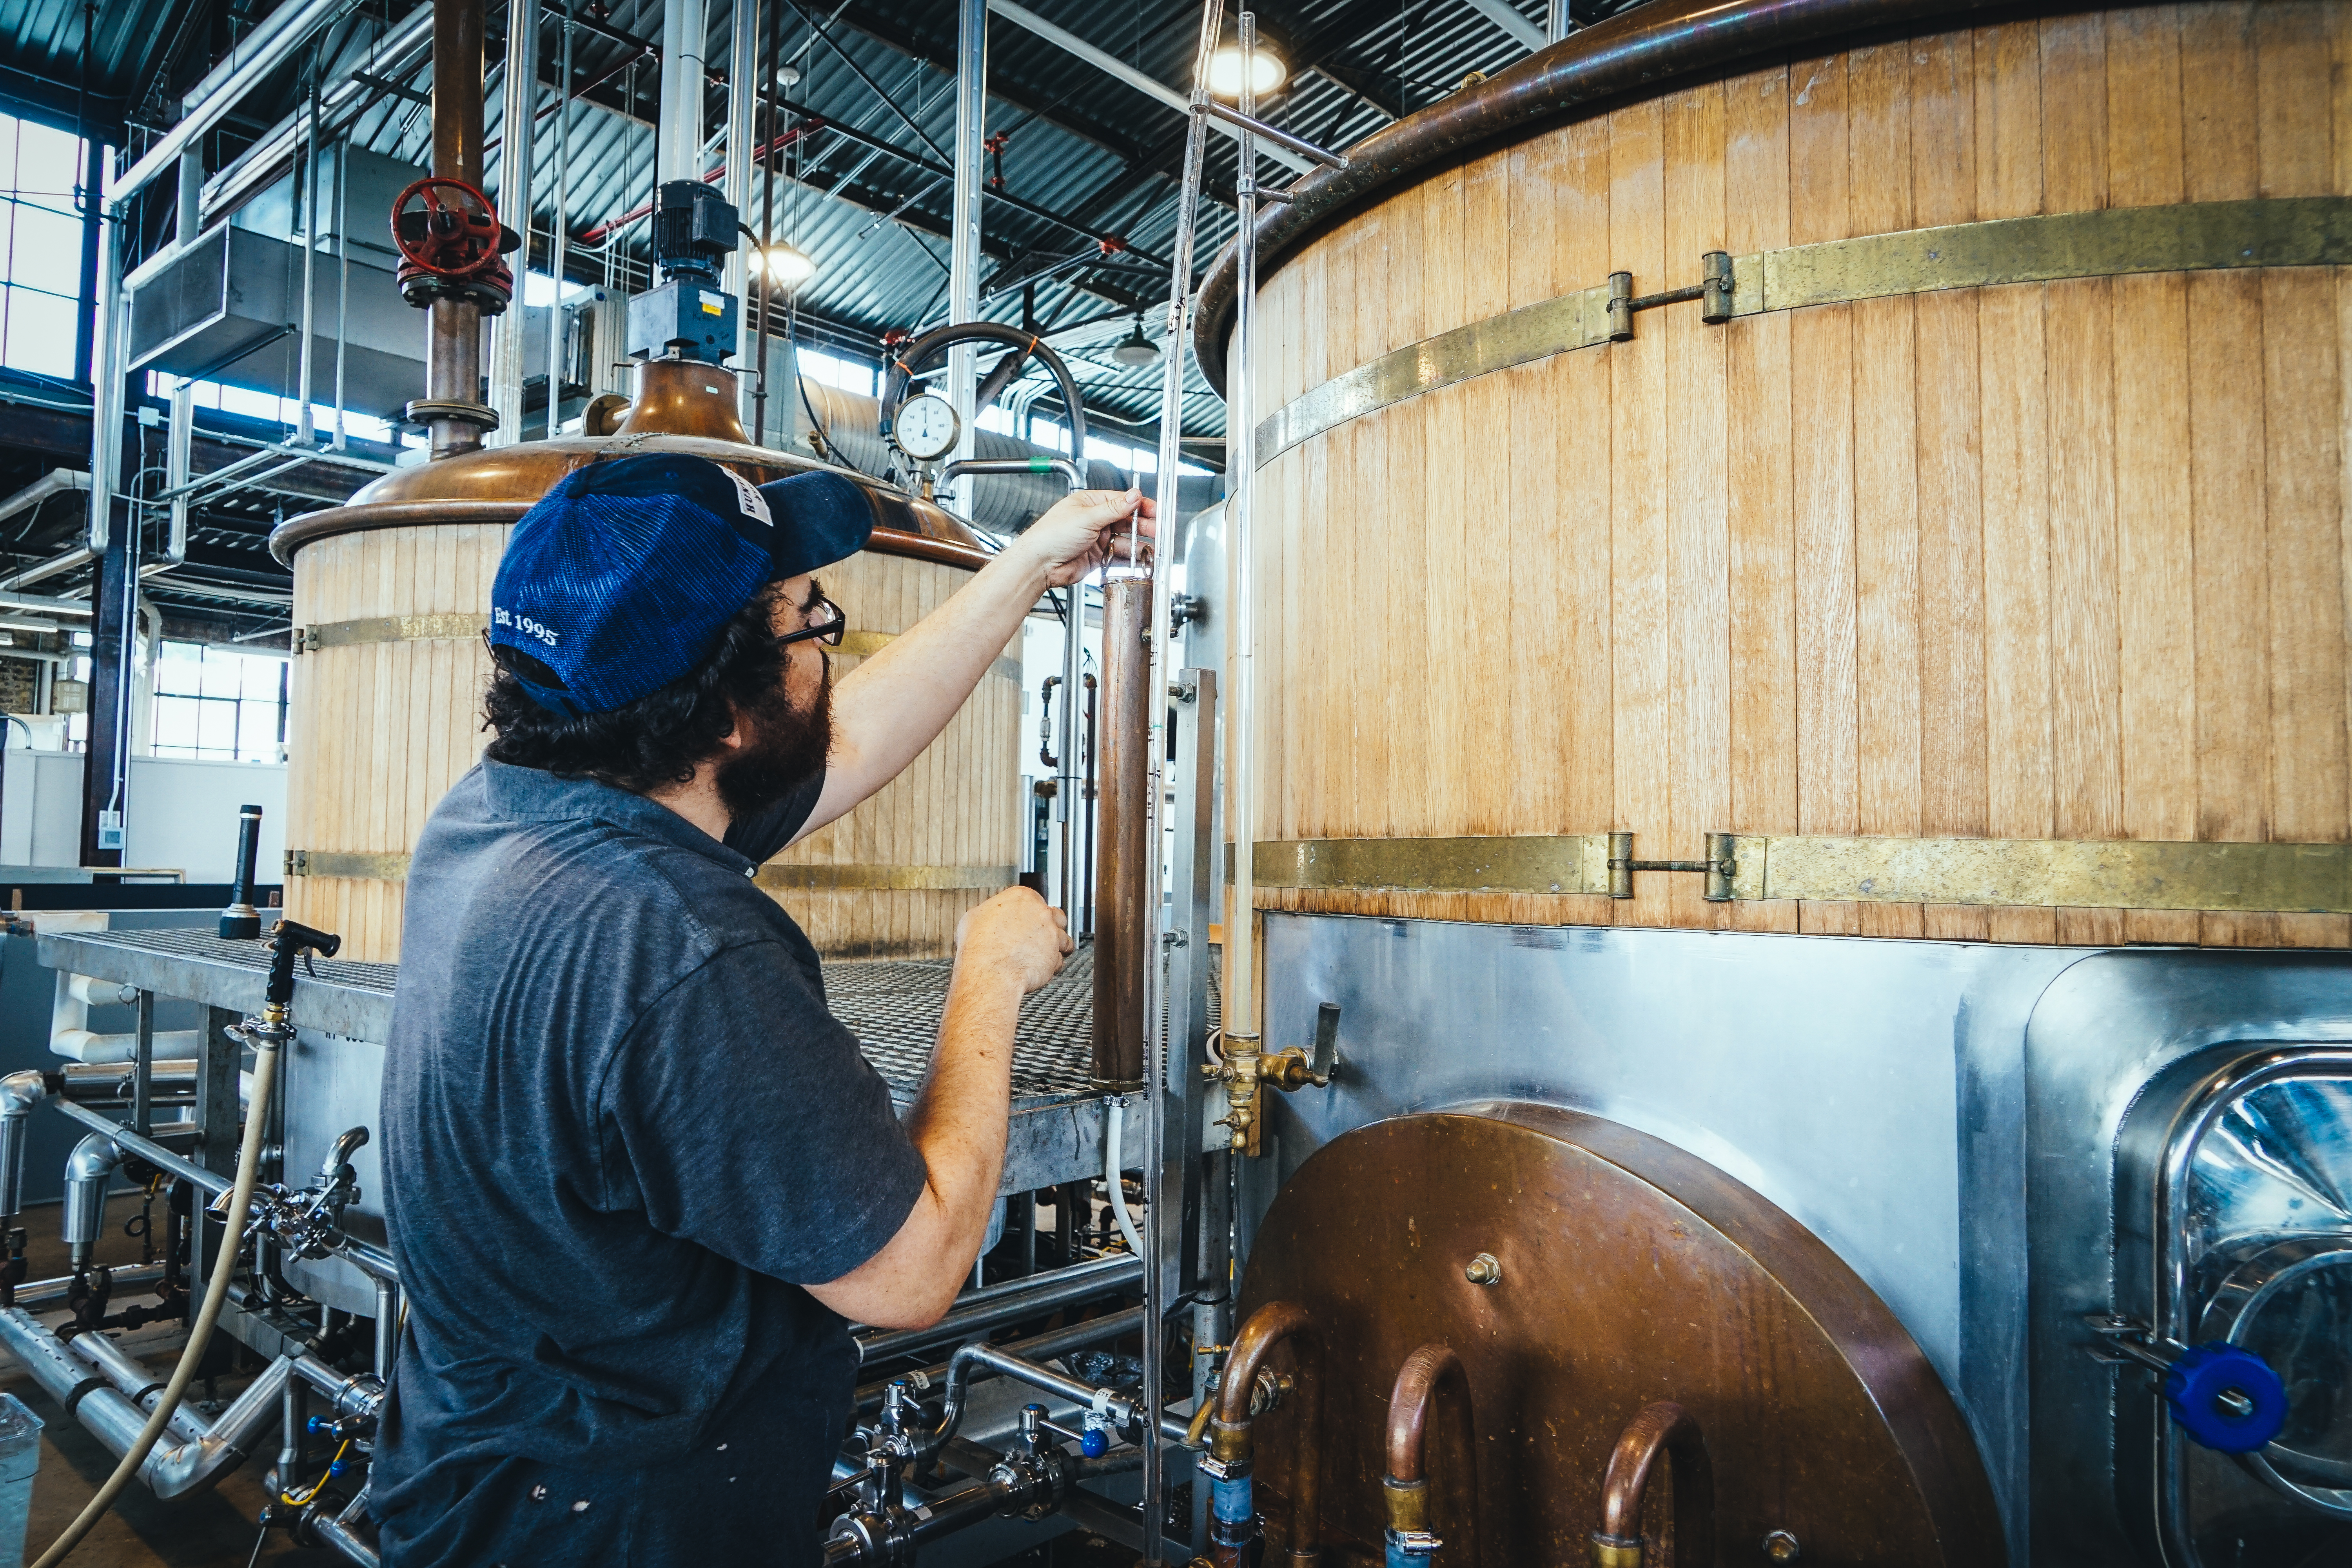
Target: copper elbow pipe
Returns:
[1229, 1442]
[1428, 1373]
[1666, 1427]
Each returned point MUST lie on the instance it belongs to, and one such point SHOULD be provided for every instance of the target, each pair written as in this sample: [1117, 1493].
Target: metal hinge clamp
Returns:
[1713, 294]
[1718, 867]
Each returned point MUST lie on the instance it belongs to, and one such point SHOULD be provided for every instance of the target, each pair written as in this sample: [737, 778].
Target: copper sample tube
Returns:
[1664, 1427]
[1231, 1450]
[1430, 1373]
[1126, 879]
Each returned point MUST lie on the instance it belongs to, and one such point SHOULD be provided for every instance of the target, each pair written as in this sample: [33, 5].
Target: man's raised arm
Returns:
[898, 700]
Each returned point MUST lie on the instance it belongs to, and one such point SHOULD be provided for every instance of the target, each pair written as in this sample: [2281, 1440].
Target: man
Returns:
[636, 1175]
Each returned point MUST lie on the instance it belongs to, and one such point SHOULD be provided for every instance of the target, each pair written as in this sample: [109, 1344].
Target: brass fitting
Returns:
[1616, 1551]
[1229, 1444]
[1408, 1505]
[1244, 1067]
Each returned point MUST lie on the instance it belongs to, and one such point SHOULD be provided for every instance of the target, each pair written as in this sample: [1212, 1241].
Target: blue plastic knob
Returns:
[338, 1467]
[2226, 1397]
[316, 1424]
[1093, 1443]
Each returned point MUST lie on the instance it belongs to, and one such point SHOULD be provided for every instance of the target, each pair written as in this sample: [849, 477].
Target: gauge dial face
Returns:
[927, 428]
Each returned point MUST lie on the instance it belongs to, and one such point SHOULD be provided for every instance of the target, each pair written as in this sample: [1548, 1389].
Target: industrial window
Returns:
[834, 371]
[284, 411]
[40, 247]
[219, 705]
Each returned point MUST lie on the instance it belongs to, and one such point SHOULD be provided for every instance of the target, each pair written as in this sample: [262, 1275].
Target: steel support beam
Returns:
[521, 113]
[1111, 65]
[1507, 16]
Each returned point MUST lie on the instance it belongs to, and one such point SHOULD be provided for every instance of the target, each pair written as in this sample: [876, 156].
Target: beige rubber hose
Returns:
[248, 1163]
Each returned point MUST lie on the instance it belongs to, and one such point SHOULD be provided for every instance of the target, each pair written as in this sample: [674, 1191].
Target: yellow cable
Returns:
[319, 1485]
[240, 1205]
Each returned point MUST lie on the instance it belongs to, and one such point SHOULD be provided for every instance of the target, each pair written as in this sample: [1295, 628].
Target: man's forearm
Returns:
[959, 1122]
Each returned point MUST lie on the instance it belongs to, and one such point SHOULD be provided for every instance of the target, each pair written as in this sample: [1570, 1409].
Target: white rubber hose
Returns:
[1112, 1133]
[248, 1165]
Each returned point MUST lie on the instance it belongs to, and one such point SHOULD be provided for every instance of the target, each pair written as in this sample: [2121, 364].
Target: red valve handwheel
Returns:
[446, 227]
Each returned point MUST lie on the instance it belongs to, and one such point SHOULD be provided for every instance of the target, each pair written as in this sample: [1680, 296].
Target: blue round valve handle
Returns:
[2227, 1398]
[1095, 1443]
[316, 1424]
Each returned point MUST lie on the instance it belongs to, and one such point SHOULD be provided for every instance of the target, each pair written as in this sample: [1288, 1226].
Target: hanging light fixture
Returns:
[789, 267]
[1135, 350]
[1267, 71]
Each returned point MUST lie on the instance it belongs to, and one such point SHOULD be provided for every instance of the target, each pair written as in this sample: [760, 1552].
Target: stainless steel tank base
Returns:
[1942, 1115]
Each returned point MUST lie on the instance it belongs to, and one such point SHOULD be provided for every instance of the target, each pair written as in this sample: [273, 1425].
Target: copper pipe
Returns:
[457, 113]
[1126, 879]
[1229, 1439]
[453, 333]
[1666, 1427]
[1427, 1372]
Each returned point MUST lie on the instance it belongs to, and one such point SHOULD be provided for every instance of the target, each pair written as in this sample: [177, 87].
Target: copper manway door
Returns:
[1629, 1272]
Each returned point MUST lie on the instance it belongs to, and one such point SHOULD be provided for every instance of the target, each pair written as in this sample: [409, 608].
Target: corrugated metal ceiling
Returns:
[1085, 156]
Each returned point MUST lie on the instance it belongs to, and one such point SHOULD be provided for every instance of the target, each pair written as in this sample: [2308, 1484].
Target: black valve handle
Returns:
[293, 940]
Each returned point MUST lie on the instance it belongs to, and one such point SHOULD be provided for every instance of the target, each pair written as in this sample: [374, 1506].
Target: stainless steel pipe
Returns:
[979, 1310]
[172, 1469]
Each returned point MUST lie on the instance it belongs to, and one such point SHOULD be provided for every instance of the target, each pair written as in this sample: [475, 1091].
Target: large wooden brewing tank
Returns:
[390, 597]
[2030, 531]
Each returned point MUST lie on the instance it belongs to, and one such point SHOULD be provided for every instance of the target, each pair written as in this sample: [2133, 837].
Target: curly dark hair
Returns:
[658, 740]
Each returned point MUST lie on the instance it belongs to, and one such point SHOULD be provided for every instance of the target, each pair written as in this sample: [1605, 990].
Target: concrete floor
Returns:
[213, 1530]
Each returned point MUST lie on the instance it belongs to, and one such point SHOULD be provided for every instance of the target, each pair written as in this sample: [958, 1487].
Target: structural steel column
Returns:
[521, 108]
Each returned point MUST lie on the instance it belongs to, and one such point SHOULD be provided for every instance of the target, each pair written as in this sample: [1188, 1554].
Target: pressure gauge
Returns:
[927, 428]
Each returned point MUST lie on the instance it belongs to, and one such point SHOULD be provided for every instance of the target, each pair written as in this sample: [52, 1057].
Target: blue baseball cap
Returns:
[621, 576]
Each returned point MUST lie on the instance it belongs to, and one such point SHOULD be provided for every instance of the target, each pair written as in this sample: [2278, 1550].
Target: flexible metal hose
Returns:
[248, 1165]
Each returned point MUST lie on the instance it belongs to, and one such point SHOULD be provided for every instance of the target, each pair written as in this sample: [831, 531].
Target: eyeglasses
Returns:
[826, 624]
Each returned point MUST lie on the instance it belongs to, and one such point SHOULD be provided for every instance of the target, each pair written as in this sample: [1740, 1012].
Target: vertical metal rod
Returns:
[387, 1326]
[521, 107]
[178, 444]
[106, 378]
[1156, 1052]
[1069, 809]
[743, 117]
[142, 1071]
[305, 425]
[964, 258]
[189, 210]
[1241, 1000]
[560, 237]
[1557, 23]
[343, 281]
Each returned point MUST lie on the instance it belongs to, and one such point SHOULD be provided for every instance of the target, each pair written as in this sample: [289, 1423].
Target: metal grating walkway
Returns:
[893, 1005]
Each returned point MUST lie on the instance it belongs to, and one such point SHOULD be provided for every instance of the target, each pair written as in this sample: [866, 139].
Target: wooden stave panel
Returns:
[2029, 583]
[379, 731]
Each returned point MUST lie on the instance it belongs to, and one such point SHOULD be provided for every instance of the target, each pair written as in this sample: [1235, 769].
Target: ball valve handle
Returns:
[2225, 1396]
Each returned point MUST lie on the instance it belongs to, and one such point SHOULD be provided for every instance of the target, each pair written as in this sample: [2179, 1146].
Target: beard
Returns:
[783, 748]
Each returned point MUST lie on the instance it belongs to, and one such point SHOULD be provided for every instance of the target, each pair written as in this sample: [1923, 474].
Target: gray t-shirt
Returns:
[620, 1130]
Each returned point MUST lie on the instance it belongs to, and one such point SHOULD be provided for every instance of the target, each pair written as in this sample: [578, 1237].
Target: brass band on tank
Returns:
[2296, 231]
[2030, 873]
